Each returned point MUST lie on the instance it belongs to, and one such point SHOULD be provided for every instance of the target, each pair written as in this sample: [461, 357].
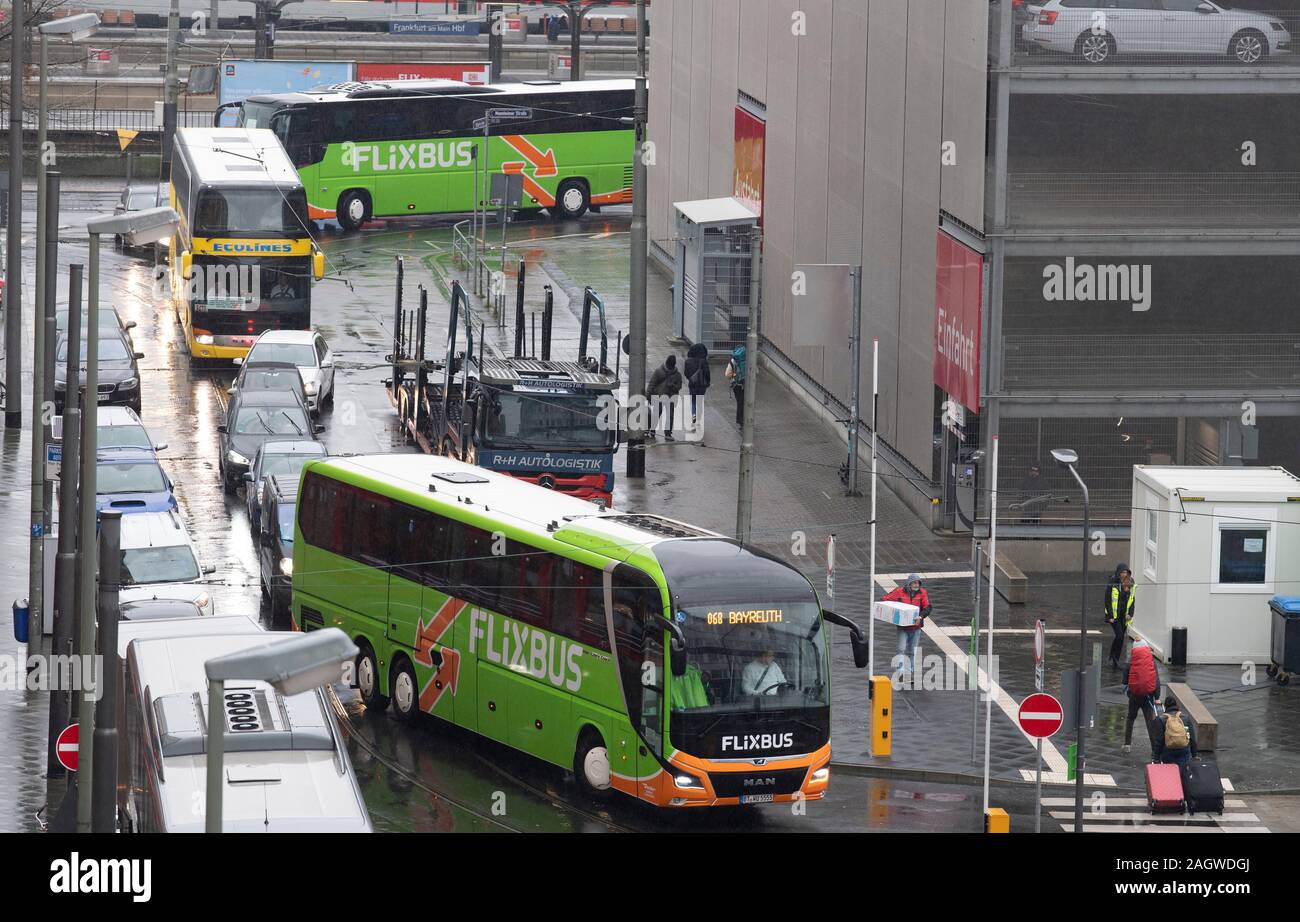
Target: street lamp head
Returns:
[76, 27]
[292, 666]
[135, 227]
[1065, 456]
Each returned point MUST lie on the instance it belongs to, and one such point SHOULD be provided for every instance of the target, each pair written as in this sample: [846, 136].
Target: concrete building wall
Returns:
[858, 108]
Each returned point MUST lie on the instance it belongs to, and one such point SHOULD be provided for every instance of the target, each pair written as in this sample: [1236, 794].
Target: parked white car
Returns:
[159, 561]
[1096, 31]
[305, 348]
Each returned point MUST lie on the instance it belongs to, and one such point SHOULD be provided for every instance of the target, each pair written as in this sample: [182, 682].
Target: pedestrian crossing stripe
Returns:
[1093, 780]
[1113, 801]
[1146, 817]
[1119, 827]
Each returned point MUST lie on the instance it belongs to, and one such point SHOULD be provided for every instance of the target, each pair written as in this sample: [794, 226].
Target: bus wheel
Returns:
[406, 693]
[591, 765]
[353, 209]
[368, 678]
[571, 200]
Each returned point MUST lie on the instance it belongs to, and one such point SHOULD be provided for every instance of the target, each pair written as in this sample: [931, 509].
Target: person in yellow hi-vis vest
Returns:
[1121, 594]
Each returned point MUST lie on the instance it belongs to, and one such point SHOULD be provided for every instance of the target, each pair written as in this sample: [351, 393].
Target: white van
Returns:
[286, 766]
[159, 561]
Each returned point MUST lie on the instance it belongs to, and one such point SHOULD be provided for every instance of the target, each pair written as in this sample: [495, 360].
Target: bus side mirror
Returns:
[677, 646]
[317, 264]
[858, 640]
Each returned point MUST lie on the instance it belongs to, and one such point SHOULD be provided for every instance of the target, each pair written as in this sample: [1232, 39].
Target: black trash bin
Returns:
[1285, 611]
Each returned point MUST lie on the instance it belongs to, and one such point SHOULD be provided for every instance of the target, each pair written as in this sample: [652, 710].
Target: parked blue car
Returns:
[132, 480]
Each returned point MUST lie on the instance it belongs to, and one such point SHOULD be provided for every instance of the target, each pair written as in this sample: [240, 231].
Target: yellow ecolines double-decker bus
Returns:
[242, 259]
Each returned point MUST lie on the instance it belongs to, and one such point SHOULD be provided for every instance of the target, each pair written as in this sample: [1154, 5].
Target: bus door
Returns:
[418, 616]
[639, 635]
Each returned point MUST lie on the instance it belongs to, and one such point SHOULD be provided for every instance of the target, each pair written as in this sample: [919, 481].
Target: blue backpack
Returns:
[738, 360]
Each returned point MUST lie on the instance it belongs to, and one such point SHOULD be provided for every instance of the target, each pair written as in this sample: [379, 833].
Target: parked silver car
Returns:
[1096, 31]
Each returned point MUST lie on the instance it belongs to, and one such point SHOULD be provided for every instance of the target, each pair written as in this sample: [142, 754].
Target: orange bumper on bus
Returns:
[710, 783]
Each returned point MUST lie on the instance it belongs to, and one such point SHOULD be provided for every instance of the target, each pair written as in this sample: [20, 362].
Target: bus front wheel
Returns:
[591, 765]
[353, 209]
[571, 200]
[406, 693]
[367, 667]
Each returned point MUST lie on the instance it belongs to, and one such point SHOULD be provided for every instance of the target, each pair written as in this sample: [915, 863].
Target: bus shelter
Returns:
[711, 271]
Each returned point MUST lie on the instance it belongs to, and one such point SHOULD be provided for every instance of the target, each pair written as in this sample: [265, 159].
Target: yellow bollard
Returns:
[996, 820]
[882, 720]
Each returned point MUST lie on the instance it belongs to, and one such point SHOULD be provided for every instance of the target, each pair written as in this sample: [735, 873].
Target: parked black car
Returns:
[254, 417]
[119, 375]
[275, 542]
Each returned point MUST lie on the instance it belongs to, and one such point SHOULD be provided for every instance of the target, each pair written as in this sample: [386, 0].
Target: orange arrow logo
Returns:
[426, 636]
[543, 163]
[531, 186]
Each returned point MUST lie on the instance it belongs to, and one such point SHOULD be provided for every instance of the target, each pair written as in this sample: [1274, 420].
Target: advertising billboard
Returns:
[465, 71]
[958, 289]
[242, 79]
[747, 174]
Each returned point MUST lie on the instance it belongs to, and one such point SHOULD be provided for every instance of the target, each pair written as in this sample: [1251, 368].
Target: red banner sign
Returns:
[959, 280]
[467, 72]
[747, 175]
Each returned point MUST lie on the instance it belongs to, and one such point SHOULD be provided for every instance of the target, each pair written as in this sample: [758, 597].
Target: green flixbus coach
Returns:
[646, 655]
[415, 147]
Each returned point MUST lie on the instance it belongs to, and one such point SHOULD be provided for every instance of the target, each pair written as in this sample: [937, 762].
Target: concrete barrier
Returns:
[1196, 714]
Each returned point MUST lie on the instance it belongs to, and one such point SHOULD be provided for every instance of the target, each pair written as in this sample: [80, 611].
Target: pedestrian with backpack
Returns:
[1173, 738]
[1142, 680]
[698, 377]
[736, 375]
[664, 386]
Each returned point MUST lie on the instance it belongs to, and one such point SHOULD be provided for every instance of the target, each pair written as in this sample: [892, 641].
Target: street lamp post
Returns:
[134, 227]
[1068, 458]
[74, 28]
[291, 666]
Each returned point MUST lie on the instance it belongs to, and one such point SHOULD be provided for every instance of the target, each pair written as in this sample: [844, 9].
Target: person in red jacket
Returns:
[911, 593]
[1142, 679]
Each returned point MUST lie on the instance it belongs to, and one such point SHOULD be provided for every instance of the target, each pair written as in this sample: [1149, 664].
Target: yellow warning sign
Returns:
[124, 137]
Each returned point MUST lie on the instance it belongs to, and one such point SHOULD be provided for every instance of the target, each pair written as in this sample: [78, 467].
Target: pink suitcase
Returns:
[1164, 788]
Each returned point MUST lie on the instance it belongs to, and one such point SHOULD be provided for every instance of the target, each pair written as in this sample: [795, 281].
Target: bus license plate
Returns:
[756, 798]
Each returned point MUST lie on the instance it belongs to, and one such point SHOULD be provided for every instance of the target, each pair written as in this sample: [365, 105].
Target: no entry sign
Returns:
[67, 747]
[1040, 715]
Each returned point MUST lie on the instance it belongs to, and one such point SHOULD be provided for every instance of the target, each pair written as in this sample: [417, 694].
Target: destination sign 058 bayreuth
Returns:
[747, 616]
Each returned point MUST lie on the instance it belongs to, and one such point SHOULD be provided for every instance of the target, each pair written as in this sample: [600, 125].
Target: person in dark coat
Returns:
[666, 382]
[1173, 745]
[698, 378]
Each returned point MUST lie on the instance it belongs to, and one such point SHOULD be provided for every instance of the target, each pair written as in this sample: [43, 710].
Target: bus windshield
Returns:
[546, 421]
[265, 212]
[753, 656]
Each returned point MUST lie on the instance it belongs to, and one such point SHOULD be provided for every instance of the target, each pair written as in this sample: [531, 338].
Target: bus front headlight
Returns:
[685, 780]
[203, 339]
[822, 774]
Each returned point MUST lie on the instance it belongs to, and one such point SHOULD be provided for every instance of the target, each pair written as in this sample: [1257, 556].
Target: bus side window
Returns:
[372, 529]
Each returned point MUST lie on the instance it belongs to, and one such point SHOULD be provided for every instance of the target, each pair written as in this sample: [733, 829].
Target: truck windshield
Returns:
[515, 419]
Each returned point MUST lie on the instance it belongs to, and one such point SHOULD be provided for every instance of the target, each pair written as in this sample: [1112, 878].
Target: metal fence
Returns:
[106, 120]
[1061, 199]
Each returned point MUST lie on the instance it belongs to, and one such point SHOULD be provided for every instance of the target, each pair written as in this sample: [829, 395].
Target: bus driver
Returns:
[762, 676]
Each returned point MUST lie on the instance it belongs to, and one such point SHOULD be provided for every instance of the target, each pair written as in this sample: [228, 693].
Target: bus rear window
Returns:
[251, 212]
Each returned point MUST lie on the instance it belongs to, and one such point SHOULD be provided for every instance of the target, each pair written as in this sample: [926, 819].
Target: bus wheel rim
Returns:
[404, 691]
[366, 677]
[595, 766]
[572, 199]
[356, 209]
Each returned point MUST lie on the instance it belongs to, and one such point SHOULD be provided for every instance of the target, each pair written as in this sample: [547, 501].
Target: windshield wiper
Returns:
[291, 422]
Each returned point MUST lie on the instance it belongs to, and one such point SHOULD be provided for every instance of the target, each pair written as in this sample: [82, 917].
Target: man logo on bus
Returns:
[417, 155]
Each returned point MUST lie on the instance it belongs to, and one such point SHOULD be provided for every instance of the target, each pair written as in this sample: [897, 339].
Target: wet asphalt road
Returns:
[433, 777]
